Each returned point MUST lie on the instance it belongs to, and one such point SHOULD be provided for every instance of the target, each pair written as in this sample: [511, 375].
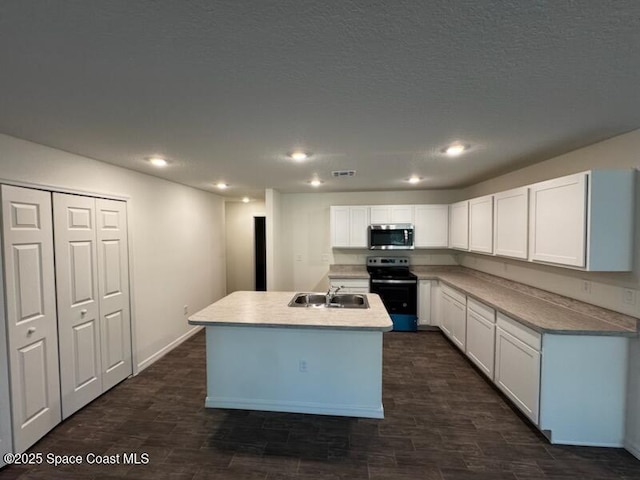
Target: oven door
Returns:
[398, 296]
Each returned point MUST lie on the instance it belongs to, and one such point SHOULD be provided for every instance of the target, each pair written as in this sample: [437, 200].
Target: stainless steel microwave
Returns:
[394, 236]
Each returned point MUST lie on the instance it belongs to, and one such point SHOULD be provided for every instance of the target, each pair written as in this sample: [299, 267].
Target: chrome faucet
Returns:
[330, 294]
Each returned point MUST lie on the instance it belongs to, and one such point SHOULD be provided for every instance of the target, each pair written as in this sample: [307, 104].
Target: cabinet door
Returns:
[446, 309]
[359, 223]
[77, 293]
[459, 225]
[517, 372]
[113, 288]
[31, 314]
[340, 227]
[481, 224]
[558, 215]
[481, 342]
[459, 325]
[431, 226]
[511, 219]
[380, 214]
[424, 302]
[402, 214]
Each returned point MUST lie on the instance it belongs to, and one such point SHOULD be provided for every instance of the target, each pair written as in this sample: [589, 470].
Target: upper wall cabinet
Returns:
[381, 214]
[431, 226]
[349, 226]
[583, 220]
[511, 215]
[459, 225]
[481, 224]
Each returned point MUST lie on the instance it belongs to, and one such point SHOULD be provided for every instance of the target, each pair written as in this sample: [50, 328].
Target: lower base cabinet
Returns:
[517, 365]
[481, 338]
[454, 321]
[571, 387]
[424, 303]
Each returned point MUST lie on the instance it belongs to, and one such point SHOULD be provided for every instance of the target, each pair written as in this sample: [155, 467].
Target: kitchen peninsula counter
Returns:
[264, 355]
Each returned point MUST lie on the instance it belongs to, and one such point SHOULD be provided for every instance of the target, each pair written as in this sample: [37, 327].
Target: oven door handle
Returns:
[396, 282]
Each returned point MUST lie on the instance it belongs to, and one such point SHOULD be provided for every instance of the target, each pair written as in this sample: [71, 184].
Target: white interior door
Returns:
[74, 222]
[113, 287]
[31, 313]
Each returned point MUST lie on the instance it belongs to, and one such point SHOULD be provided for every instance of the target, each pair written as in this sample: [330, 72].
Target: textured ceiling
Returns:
[225, 89]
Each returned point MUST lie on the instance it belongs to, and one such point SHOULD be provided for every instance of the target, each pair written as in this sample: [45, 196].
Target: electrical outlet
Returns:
[325, 258]
[298, 257]
[586, 287]
[302, 366]
[185, 310]
[629, 296]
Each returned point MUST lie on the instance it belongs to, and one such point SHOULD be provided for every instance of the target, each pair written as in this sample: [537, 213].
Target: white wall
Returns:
[239, 220]
[306, 233]
[177, 234]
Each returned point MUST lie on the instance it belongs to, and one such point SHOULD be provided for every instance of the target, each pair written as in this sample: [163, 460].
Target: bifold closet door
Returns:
[74, 219]
[93, 297]
[113, 288]
[31, 313]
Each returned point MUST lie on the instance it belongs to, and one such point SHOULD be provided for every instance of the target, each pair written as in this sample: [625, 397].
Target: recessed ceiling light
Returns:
[245, 200]
[316, 182]
[222, 185]
[414, 179]
[455, 149]
[299, 155]
[157, 161]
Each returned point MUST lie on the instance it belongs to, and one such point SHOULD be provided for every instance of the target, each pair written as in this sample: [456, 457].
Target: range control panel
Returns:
[387, 261]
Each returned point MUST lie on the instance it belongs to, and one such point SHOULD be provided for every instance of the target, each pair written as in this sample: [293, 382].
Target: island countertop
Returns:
[270, 309]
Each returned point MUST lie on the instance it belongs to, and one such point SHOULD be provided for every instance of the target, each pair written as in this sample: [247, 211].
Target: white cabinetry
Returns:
[584, 220]
[454, 321]
[459, 225]
[481, 224]
[350, 285]
[349, 226]
[431, 226]
[481, 336]
[424, 302]
[517, 365]
[381, 214]
[511, 221]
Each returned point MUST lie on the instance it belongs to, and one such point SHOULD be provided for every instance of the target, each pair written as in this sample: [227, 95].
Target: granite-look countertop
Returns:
[270, 309]
[542, 311]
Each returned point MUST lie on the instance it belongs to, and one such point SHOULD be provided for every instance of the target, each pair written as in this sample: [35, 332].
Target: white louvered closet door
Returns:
[31, 313]
[113, 288]
[74, 221]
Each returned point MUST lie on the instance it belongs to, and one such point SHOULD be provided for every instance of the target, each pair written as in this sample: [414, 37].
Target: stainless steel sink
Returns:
[318, 300]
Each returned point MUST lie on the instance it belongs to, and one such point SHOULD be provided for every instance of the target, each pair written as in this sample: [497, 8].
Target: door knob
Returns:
[31, 330]
[83, 312]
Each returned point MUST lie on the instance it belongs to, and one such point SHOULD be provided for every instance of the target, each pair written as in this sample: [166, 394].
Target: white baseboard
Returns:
[163, 351]
[633, 449]
[295, 407]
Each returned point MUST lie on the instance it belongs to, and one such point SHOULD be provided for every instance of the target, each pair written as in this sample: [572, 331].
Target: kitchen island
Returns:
[264, 355]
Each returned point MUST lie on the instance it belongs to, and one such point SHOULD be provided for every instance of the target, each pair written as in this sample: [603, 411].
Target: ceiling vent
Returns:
[343, 173]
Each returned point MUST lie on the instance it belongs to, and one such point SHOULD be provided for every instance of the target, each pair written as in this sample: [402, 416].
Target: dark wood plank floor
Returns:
[443, 421]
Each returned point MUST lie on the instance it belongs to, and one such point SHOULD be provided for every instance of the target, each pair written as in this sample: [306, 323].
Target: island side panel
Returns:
[318, 371]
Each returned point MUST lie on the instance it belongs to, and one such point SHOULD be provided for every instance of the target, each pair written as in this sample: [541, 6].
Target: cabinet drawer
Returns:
[481, 309]
[455, 294]
[522, 333]
[350, 283]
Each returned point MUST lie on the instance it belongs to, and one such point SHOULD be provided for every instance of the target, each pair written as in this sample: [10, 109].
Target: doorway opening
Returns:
[260, 253]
